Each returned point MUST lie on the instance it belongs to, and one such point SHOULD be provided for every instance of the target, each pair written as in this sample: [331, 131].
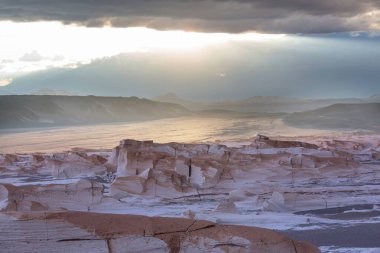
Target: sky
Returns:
[205, 49]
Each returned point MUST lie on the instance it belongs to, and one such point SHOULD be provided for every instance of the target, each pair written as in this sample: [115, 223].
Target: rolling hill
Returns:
[25, 111]
[264, 104]
[339, 116]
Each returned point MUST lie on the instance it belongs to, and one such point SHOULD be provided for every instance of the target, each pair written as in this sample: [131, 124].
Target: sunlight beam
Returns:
[32, 46]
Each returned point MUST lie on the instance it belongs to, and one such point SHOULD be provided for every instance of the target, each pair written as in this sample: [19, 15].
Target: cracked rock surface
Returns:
[91, 232]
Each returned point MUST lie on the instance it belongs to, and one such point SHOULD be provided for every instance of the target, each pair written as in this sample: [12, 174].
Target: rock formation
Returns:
[248, 184]
[83, 231]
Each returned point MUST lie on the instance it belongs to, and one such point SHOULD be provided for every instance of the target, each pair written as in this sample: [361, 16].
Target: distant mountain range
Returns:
[264, 104]
[4, 92]
[339, 117]
[337, 114]
[47, 91]
[25, 111]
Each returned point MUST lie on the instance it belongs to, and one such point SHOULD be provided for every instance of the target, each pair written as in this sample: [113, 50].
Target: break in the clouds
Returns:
[292, 66]
[32, 46]
[269, 16]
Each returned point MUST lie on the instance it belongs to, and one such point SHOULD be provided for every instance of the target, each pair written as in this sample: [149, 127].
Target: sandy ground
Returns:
[183, 129]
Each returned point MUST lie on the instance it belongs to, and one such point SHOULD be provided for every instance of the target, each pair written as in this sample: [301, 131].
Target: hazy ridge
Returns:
[339, 116]
[264, 104]
[25, 111]
[29, 111]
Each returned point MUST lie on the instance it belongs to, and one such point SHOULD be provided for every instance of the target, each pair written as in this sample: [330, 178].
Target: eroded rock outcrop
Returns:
[77, 164]
[80, 195]
[145, 167]
[265, 142]
[174, 171]
[179, 167]
[250, 183]
[183, 171]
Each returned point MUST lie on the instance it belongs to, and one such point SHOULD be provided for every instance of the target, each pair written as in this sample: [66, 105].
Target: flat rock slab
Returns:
[92, 232]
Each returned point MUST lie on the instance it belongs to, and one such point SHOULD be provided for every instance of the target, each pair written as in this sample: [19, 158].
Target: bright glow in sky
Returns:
[26, 47]
[5, 81]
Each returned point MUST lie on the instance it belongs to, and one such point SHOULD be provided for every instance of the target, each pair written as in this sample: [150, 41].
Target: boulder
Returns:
[127, 185]
[241, 195]
[226, 206]
[276, 203]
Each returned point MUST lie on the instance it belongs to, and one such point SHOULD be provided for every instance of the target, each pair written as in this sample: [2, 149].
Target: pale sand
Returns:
[183, 129]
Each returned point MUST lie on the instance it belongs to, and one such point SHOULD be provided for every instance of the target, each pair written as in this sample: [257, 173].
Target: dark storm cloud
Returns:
[285, 16]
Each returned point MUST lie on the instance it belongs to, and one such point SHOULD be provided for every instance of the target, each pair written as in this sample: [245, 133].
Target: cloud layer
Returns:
[271, 16]
[321, 67]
